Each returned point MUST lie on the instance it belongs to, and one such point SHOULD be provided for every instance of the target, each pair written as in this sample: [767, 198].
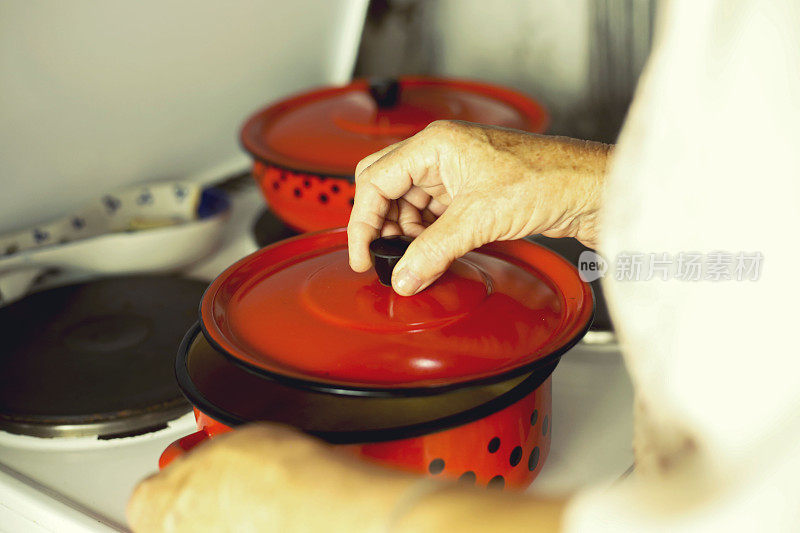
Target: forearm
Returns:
[559, 180]
[580, 169]
[468, 510]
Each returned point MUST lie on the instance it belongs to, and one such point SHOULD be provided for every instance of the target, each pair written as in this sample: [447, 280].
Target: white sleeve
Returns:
[709, 161]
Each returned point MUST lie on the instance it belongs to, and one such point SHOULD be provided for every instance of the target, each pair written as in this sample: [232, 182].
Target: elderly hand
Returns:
[266, 478]
[456, 186]
[271, 478]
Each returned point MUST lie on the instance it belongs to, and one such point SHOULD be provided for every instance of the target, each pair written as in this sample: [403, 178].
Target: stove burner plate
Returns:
[95, 358]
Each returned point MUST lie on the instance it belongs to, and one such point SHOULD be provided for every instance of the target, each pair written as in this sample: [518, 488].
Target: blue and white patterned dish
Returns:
[160, 227]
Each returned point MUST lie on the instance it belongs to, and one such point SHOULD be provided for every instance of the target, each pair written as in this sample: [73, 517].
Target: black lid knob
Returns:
[386, 252]
[384, 91]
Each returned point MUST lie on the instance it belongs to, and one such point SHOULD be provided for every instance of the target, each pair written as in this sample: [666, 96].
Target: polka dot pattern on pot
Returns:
[436, 466]
[494, 445]
[533, 459]
[305, 201]
[516, 456]
[497, 482]
[506, 453]
[467, 478]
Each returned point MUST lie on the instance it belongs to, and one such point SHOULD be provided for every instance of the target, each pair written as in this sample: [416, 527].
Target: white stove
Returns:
[82, 484]
[79, 484]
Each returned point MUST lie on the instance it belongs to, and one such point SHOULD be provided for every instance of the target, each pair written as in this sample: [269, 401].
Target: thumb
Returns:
[452, 235]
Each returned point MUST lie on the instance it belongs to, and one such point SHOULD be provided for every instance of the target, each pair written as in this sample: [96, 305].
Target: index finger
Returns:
[369, 213]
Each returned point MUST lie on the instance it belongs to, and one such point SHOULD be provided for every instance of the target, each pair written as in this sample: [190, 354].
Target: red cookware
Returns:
[496, 435]
[454, 381]
[306, 147]
[296, 312]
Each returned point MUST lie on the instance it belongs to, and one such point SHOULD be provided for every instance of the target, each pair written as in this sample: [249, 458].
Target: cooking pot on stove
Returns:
[496, 435]
[453, 382]
[306, 147]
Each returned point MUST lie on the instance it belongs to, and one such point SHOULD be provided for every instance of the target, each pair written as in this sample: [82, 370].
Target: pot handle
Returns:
[384, 91]
[181, 447]
[385, 253]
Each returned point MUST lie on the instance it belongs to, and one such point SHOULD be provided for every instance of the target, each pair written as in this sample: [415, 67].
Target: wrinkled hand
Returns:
[266, 478]
[456, 186]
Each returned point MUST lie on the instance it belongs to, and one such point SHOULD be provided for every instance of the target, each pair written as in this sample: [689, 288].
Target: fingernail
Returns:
[405, 282]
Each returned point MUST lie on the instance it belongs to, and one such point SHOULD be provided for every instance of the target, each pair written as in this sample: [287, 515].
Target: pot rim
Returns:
[388, 391]
[484, 410]
[525, 104]
[346, 177]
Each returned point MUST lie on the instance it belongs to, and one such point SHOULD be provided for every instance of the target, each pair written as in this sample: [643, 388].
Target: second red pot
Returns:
[453, 381]
[306, 147]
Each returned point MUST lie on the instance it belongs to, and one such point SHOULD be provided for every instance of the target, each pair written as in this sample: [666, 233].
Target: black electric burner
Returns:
[268, 228]
[97, 358]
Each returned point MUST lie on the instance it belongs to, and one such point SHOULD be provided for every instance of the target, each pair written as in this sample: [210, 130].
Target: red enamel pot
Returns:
[453, 381]
[295, 312]
[306, 147]
[496, 435]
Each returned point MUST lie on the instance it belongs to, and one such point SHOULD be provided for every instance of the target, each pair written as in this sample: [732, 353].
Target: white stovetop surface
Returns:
[75, 486]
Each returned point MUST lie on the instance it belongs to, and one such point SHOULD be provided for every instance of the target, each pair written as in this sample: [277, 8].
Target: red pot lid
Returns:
[295, 311]
[328, 131]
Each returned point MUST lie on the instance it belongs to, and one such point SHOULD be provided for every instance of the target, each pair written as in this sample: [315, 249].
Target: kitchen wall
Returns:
[581, 58]
[97, 94]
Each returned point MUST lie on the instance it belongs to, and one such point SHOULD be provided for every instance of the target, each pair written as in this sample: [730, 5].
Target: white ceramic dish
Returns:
[194, 231]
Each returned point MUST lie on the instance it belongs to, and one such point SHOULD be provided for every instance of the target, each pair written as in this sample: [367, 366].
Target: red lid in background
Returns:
[328, 131]
[295, 311]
